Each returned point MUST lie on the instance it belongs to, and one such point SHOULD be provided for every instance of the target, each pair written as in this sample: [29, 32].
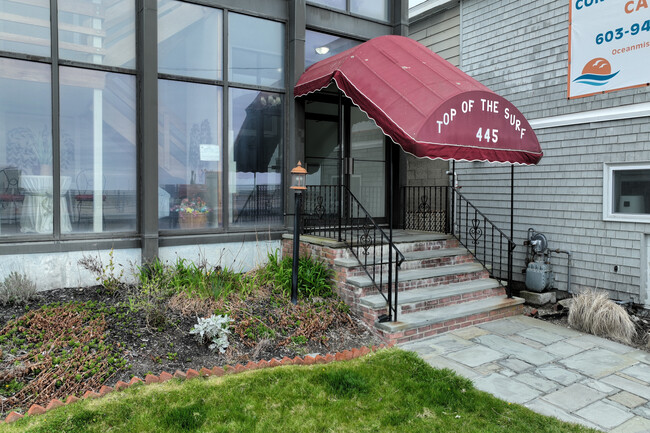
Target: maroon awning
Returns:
[426, 105]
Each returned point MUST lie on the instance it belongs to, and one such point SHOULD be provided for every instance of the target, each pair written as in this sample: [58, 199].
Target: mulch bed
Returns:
[67, 349]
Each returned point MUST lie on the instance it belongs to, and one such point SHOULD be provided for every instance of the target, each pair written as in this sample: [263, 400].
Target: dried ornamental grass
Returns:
[595, 313]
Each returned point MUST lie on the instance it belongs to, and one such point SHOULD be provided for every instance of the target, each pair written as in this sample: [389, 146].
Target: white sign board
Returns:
[609, 46]
[209, 152]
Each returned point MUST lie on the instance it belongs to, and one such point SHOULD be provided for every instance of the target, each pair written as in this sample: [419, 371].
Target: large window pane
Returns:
[377, 9]
[255, 148]
[25, 26]
[256, 51]
[100, 32]
[631, 191]
[26, 148]
[189, 40]
[189, 155]
[98, 150]
[335, 4]
[319, 46]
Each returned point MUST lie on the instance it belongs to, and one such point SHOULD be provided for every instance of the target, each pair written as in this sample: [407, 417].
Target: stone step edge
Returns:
[333, 243]
[412, 274]
[406, 297]
[442, 314]
[412, 256]
[346, 355]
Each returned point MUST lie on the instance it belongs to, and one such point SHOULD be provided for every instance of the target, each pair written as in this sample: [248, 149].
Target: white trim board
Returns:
[429, 6]
[602, 115]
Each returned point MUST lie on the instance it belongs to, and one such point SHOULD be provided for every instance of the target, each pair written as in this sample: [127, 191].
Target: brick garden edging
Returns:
[346, 355]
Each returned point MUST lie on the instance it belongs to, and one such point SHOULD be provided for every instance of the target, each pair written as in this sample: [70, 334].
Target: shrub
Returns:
[314, 277]
[18, 288]
[213, 329]
[595, 313]
[151, 297]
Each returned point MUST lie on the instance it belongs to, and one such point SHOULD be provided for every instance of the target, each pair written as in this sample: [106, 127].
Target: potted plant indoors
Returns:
[192, 213]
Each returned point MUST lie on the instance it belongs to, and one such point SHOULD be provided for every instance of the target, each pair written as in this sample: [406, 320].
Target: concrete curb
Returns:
[346, 355]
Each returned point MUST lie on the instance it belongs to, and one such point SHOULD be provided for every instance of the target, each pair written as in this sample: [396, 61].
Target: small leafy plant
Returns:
[107, 275]
[17, 288]
[214, 329]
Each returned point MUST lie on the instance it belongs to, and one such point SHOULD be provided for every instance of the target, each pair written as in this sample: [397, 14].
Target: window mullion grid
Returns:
[56, 148]
[225, 173]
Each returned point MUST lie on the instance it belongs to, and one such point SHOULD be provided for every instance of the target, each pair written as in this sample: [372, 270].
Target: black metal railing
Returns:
[426, 208]
[321, 214]
[334, 212]
[444, 209]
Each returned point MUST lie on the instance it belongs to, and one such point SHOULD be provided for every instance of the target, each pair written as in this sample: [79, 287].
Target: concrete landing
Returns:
[550, 369]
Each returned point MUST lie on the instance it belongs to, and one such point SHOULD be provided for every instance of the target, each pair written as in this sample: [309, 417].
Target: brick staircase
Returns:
[441, 287]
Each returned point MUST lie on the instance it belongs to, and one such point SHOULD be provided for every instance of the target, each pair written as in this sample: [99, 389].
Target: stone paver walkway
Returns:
[550, 369]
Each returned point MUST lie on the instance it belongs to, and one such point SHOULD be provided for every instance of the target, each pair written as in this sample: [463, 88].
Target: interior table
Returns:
[38, 207]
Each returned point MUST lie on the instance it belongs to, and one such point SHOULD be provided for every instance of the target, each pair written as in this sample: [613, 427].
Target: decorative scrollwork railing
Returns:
[426, 208]
[334, 212]
[444, 209]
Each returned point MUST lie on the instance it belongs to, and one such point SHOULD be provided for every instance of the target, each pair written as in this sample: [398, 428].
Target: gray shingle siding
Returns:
[441, 34]
[520, 50]
[562, 197]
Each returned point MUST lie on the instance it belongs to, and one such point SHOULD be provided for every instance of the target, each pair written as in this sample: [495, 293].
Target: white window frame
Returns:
[608, 192]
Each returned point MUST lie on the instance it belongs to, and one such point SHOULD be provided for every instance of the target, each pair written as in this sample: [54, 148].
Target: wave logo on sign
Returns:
[597, 72]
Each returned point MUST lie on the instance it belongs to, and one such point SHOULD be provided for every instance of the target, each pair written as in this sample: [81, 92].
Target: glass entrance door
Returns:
[367, 163]
[361, 163]
[322, 152]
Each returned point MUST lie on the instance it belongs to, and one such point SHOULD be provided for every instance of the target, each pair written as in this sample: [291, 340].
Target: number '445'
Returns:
[487, 136]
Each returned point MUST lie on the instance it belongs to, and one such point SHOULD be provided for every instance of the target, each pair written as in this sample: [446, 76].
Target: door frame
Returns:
[345, 140]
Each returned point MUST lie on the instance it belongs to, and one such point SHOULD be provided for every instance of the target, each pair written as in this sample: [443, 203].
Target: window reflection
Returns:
[368, 150]
[100, 32]
[25, 27]
[256, 157]
[98, 158]
[377, 9]
[632, 191]
[189, 40]
[319, 46]
[26, 148]
[189, 155]
[334, 4]
[256, 51]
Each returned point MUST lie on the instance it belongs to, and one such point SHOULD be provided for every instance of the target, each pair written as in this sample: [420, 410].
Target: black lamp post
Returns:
[298, 184]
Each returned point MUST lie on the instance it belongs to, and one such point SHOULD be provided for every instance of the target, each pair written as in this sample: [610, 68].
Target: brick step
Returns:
[421, 278]
[431, 322]
[418, 259]
[415, 300]
[405, 248]
[405, 241]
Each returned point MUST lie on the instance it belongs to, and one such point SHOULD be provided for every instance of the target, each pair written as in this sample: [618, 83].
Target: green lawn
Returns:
[390, 391]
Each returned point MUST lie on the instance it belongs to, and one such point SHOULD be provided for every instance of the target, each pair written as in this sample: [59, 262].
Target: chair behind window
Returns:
[85, 193]
[10, 193]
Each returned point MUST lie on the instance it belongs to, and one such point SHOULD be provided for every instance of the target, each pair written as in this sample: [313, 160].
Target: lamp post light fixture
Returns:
[298, 178]
[298, 184]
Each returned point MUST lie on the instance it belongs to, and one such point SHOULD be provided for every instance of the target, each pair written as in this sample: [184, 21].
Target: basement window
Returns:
[626, 192]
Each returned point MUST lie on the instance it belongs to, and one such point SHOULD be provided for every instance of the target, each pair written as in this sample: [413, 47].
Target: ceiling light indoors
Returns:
[322, 50]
